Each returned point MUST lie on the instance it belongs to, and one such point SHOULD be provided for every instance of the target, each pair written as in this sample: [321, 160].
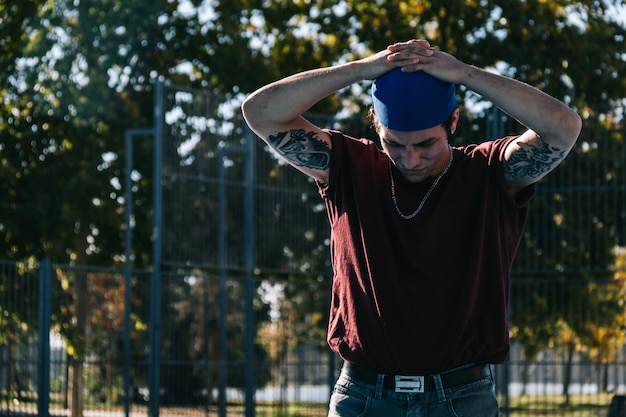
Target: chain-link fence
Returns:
[243, 287]
[567, 360]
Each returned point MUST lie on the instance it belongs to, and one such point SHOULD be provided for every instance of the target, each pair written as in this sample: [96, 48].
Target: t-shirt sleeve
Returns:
[496, 156]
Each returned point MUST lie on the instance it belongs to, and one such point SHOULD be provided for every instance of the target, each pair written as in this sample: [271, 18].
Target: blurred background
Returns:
[150, 243]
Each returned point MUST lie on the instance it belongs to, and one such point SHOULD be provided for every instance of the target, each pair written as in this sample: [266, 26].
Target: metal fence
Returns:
[569, 373]
[231, 318]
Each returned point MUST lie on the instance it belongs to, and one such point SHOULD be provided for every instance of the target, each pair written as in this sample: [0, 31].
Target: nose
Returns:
[411, 157]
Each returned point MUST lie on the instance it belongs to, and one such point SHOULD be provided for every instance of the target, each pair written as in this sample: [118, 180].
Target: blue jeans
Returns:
[354, 398]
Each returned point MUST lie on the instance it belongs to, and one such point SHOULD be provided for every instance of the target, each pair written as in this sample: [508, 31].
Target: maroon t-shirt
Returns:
[429, 294]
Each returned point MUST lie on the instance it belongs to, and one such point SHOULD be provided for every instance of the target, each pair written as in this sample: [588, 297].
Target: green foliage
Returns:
[14, 18]
[79, 74]
[76, 75]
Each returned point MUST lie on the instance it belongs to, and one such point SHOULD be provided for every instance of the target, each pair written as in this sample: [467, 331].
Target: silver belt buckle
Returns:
[409, 384]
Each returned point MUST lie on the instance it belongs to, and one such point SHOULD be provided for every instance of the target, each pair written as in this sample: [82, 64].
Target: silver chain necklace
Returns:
[430, 190]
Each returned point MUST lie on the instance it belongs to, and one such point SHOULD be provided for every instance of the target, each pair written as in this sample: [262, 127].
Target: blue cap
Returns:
[408, 101]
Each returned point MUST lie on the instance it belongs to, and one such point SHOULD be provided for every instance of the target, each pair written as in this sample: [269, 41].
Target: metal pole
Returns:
[221, 251]
[249, 266]
[45, 310]
[494, 123]
[155, 287]
[128, 265]
[128, 144]
[221, 254]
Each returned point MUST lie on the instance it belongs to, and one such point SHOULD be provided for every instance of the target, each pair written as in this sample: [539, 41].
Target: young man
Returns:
[423, 235]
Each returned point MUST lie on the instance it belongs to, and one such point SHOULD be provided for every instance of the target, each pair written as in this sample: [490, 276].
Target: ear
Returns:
[456, 114]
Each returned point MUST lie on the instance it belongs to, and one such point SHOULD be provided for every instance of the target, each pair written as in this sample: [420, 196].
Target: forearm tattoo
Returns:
[533, 160]
[302, 148]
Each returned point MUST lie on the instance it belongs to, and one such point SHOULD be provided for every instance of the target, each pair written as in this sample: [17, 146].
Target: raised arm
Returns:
[553, 128]
[274, 112]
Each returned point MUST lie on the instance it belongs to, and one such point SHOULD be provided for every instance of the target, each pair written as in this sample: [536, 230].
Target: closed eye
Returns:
[424, 144]
[393, 144]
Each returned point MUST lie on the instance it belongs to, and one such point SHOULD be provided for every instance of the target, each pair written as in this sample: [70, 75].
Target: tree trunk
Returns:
[75, 382]
[66, 397]
[108, 367]
[524, 372]
[76, 378]
[567, 378]
[9, 371]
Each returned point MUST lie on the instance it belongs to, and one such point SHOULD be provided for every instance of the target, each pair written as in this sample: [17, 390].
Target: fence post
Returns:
[45, 310]
[155, 286]
[128, 245]
[494, 127]
[249, 266]
[221, 261]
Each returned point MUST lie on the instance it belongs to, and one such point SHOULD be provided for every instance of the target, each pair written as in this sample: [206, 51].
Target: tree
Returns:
[63, 126]
[78, 74]
[17, 325]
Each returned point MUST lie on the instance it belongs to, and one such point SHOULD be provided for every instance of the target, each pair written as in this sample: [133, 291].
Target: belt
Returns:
[417, 384]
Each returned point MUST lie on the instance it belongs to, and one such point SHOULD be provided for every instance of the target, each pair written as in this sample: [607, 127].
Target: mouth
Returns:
[414, 175]
[414, 171]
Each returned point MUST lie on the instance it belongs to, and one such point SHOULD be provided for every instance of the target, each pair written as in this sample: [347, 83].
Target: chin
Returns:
[415, 177]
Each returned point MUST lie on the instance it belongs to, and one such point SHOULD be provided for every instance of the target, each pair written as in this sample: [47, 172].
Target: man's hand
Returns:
[417, 55]
[407, 55]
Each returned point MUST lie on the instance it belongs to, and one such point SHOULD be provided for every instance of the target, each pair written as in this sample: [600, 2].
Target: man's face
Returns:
[418, 155]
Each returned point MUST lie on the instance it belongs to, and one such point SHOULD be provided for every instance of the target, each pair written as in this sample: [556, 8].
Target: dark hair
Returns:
[447, 124]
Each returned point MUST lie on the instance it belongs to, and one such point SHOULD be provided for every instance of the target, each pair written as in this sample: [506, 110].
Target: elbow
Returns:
[253, 113]
[248, 109]
[572, 125]
[257, 112]
[577, 126]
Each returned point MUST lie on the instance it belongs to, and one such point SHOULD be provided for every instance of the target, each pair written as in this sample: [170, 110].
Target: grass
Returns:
[580, 405]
